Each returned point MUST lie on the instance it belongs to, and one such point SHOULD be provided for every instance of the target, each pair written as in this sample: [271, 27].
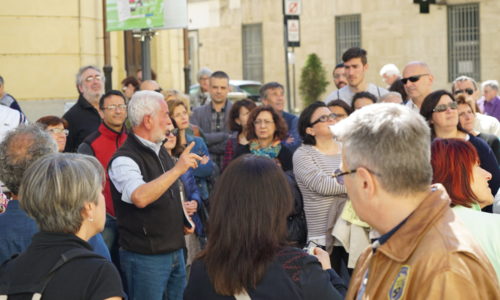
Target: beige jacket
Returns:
[431, 256]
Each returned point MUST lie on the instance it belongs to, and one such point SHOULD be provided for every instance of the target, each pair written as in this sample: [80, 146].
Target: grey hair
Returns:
[1, 80]
[392, 141]
[21, 147]
[56, 187]
[490, 83]
[460, 79]
[79, 78]
[390, 69]
[419, 63]
[390, 95]
[143, 103]
[203, 72]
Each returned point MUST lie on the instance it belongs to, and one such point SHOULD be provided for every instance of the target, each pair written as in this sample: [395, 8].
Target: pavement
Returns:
[34, 109]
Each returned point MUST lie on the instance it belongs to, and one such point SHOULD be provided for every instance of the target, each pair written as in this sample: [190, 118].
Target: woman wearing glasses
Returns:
[266, 131]
[57, 128]
[440, 110]
[189, 194]
[339, 108]
[314, 161]
[455, 165]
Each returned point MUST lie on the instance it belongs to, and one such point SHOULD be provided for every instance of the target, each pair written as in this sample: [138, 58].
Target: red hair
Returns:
[452, 162]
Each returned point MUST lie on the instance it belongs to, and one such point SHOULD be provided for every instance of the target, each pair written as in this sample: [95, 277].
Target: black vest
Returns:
[157, 228]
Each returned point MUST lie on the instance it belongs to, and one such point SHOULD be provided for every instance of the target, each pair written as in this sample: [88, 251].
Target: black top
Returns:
[83, 278]
[492, 141]
[159, 227]
[83, 119]
[292, 275]
[285, 157]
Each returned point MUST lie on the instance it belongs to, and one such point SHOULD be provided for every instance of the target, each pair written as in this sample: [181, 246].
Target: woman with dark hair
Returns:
[467, 119]
[455, 164]
[247, 253]
[398, 86]
[58, 129]
[313, 164]
[440, 110]
[238, 117]
[189, 194]
[266, 129]
[362, 99]
[340, 108]
[179, 113]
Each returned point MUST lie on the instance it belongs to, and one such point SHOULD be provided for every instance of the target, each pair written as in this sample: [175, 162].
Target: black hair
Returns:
[355, 52]
[305, 122]
[110, 93]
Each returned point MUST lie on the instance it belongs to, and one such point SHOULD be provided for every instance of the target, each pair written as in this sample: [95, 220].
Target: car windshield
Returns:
[251, 89]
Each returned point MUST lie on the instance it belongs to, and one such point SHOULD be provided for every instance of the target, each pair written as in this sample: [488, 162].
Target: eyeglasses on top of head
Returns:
[413, 78]
[444, 107]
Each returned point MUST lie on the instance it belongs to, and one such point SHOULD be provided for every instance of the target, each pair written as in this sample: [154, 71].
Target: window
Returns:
[463, 41]
[253, 62]
[348, 34]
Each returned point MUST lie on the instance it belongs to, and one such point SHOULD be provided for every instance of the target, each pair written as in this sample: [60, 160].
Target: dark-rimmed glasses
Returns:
[413, 78]
[325, 118]
[469, 91]
[339, 174]
[444, 107]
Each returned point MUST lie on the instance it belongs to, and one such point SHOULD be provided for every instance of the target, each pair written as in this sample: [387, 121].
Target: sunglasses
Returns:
[444, 107]
[412, 78]
[469, 91]
[173, 132]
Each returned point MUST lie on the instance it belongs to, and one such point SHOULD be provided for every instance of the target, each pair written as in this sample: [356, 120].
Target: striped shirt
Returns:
[320, 191]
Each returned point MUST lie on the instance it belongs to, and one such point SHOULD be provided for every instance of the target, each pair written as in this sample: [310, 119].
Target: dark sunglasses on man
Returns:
[469, 91]
[414, 78]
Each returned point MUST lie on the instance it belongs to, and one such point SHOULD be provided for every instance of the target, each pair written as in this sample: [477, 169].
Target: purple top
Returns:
[492, 108]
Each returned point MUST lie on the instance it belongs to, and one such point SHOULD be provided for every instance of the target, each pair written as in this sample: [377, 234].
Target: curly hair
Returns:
[281, 131]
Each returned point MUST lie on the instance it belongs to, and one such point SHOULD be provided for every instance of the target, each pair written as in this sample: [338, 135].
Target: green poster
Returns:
[134, 14]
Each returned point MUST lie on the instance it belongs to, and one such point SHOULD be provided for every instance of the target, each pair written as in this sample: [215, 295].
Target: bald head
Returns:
[417, 79]
[150, 85]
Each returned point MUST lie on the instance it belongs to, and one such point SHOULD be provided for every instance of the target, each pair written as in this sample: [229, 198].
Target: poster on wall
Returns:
[141, 14]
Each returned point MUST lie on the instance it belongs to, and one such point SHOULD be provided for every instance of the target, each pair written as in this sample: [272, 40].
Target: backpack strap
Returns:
[39, 287]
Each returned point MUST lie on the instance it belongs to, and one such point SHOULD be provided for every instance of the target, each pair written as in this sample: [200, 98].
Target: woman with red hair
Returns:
[455, 165]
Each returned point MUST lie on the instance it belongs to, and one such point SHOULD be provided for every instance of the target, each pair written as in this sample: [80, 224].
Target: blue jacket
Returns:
[293, 131]
[17, 229]
[200, 148]
[192, 193]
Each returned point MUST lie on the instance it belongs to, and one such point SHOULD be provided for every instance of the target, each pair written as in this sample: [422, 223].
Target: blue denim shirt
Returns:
[17, 229]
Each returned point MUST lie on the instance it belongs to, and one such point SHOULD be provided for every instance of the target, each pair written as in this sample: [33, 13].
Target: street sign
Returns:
[293, 28]
[293, 7]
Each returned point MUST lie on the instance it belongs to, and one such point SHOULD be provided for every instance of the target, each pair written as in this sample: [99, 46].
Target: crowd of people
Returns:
[148, 193]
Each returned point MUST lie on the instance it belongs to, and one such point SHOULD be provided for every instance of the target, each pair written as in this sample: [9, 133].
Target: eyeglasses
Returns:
[339, 175]
[469, 91]
[444, 107]
[414, 78]
[325, 118]
[59, 131]
[92, 78]
[173, 132]
[262, 122]
[115, 107]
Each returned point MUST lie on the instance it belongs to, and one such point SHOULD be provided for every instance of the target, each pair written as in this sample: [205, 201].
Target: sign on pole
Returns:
[293, 28]
[293, 7]
[141, 14]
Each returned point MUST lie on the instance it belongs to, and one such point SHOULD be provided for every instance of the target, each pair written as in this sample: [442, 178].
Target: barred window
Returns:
[463, 41]
[253, 62]
[348, 34]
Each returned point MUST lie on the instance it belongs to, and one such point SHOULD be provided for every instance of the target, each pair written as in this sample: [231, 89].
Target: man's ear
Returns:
[148, 121]
[88, 210]
[367, 181]
[101, 113]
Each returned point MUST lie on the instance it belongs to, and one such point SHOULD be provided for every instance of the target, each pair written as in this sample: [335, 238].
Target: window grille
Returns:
[463, 41]
[348, 34]
[253, 61]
